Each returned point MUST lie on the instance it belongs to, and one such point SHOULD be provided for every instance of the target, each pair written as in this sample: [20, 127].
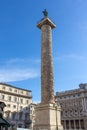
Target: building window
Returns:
[15, 99]
[3, 87]
[20, 115]
[9, 98]
[14, 106]
[77, 124]
[21, 91]
[15, 90]
[10, 89]
[61, 113]
[78, 95]
[21, 107]
[73, 95]
[80, 112]
[72, 124]
[28, 93]
[30, 106]
[66, 113]
[75, 110]
[3, 96]
[21, 100]
[26, 116]
[27, 101]
[67, 124]
[8, 105]
[82, 124]
[13, 115]
[26, 108]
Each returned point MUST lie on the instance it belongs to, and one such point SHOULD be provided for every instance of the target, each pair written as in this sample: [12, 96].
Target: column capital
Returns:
[46, 21]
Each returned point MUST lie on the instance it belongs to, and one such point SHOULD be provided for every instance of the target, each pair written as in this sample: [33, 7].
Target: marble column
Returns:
[47, 85]
[48, 114]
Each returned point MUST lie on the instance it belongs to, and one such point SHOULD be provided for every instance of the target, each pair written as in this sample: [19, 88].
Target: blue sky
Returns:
[20, 43]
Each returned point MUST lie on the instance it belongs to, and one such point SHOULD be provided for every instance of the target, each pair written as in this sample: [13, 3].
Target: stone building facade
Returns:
[17, 100]
[74, 108]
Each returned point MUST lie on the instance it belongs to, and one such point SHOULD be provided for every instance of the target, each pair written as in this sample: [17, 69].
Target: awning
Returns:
[3, 122]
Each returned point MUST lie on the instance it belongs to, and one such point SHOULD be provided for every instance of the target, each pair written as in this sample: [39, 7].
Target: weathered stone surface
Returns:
[47, 113]
[47, 86]
[48, 117]
[47, 83]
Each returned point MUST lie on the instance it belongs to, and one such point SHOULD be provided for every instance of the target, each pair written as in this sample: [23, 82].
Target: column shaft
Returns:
[47, 85]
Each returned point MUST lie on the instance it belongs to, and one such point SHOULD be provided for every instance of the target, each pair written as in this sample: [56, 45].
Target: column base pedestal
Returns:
[48, 117]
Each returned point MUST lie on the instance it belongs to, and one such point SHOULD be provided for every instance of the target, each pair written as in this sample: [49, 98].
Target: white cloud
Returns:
[71, 57]
[9, 75]
[18, 69]
[23, 61]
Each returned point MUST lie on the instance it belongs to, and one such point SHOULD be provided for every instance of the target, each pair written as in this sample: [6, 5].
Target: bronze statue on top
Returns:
[45, 13]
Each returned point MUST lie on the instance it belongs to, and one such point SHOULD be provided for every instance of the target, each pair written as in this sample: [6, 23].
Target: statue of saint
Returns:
[45, 13]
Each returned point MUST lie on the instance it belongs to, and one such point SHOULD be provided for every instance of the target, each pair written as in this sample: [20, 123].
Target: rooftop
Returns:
[14, 87]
